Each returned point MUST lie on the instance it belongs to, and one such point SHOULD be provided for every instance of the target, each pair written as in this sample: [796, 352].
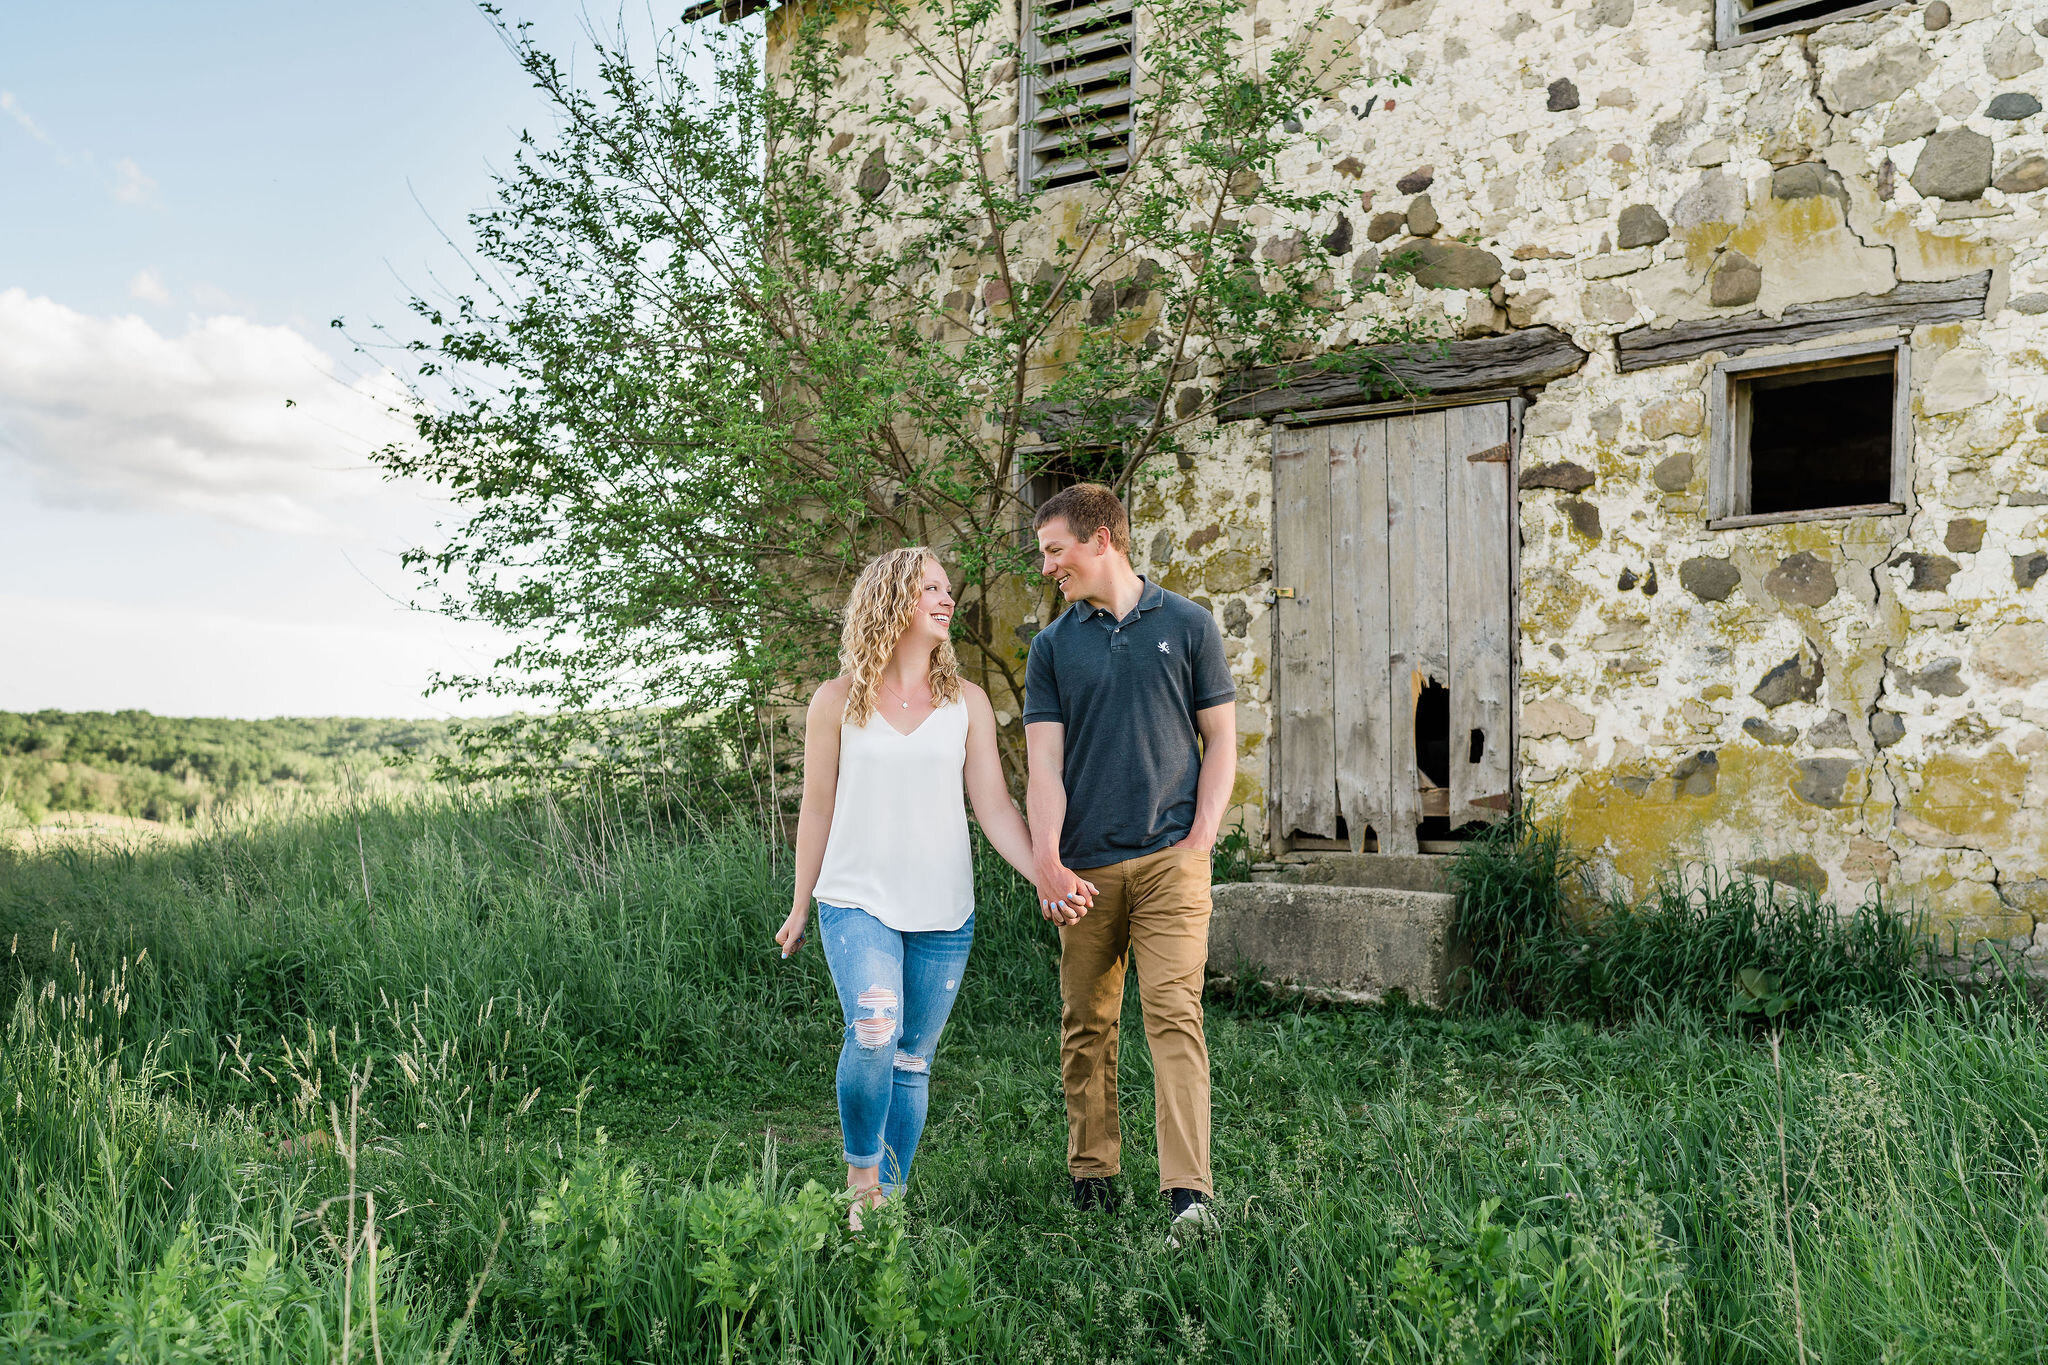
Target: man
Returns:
[1131, 730]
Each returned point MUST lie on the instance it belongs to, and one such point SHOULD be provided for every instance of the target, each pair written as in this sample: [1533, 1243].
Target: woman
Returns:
[882, 844]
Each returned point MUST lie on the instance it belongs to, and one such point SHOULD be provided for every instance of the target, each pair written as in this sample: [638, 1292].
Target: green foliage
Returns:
[1233, 856]
[1392, 1185]
[628, 1265]
[1500, 1293]
[1511, 882]
[169, 769]
[1725, 946]
[734, 332]
[134, 1227]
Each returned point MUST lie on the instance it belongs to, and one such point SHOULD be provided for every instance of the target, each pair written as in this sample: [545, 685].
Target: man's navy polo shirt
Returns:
[1127, 692]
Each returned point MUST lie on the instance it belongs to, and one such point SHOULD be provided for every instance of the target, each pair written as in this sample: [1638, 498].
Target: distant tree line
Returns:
[171, 769]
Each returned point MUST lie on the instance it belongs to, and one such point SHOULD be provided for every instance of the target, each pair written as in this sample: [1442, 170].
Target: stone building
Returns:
[1721, 529]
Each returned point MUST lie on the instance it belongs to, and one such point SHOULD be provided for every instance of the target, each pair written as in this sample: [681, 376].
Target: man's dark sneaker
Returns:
[1094, 1193]
[1192, 1217]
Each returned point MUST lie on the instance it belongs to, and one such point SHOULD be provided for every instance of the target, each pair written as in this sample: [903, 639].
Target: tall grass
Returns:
[1723, 946]
[561, 1071]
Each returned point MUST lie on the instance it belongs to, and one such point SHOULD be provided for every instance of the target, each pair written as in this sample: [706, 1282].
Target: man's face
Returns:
[1075, 566]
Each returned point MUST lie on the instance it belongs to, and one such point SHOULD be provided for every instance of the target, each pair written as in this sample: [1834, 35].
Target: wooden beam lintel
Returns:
[1908, 305]
[1417, 373]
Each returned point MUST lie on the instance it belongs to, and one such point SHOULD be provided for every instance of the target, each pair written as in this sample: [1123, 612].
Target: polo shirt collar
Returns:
[1150, 596]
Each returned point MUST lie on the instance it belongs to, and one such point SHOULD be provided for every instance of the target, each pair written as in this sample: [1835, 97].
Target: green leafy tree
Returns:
[735, 327]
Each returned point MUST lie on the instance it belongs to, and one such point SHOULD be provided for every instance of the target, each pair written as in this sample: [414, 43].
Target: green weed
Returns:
[243, 1116]
[1725, 946]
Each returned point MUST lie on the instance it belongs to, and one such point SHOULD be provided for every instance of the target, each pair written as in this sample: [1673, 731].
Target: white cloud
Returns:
[131, 186]
[11, 106]
[249, 423]
[148, 286]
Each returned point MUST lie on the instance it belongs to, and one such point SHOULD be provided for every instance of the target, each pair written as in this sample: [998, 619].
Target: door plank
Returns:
[1480, 643]
[1358, 577]
[1417, 646]
[1301, 556]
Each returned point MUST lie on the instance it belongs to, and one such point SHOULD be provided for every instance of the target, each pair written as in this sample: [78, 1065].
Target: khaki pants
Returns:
[1155, 909]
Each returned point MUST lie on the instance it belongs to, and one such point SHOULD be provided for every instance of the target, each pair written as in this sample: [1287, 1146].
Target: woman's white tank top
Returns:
[898, 848]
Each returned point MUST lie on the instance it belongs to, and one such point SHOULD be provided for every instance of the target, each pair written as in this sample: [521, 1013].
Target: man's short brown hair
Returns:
[1086, 508]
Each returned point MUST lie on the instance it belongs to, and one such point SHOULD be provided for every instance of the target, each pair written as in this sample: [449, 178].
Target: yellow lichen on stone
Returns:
[1963, 799]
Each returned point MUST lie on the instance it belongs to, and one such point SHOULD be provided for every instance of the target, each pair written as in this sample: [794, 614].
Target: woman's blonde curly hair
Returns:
[880, 608]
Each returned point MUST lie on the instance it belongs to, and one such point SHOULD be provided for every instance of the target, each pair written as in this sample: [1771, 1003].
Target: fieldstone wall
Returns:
[1834, 704]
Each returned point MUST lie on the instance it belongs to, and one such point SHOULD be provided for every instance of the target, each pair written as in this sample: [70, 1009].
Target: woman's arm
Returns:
[993, 808]
[814, 817]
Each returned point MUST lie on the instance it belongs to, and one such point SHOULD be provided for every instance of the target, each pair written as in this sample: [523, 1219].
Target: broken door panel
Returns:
[1394, 625]
[1301, 534]
[1358, 577]
[1416, 613]
[1477, 470]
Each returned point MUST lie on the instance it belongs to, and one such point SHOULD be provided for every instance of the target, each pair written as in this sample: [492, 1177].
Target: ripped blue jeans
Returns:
[895, 991]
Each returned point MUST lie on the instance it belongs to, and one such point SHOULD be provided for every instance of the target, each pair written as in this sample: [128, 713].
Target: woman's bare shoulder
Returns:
[832, 692]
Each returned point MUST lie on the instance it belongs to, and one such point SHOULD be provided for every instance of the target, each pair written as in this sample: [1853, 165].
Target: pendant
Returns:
[906, 706]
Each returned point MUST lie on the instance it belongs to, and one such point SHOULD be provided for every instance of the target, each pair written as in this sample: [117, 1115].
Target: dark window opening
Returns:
[1820, 438]
[1045, 471]
[1748, 20]
[1478, 747]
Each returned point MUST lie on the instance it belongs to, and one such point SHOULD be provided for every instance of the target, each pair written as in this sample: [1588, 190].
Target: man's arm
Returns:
[1062, 897]
[1218, 727]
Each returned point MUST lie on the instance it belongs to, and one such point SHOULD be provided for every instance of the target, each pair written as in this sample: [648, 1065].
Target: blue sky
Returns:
[191, 192]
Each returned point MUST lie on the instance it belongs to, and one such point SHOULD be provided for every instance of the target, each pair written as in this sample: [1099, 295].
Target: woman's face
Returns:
[933, 620]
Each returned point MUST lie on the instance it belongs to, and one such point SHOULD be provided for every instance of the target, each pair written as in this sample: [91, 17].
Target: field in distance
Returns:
[125, 775]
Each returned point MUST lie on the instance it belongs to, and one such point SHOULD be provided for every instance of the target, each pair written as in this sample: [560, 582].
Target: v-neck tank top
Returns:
[898, 847]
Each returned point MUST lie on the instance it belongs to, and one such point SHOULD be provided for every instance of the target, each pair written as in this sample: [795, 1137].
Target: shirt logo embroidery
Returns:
[1165, 648]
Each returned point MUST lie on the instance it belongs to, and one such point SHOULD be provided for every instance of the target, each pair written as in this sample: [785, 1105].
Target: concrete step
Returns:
[1351, 943]
[1393, 871]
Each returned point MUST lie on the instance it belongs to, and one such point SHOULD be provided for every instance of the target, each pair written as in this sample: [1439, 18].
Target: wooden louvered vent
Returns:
[1746, 21]
[1076, 106]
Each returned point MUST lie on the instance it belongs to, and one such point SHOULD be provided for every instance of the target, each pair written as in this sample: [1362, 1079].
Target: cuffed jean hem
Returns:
[889, 1188]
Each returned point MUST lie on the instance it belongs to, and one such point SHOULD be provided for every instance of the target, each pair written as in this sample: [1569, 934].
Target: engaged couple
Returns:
[1130, 731]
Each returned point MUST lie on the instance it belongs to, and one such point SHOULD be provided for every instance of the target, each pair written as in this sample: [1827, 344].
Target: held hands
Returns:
[791, 934]
[1063, 897]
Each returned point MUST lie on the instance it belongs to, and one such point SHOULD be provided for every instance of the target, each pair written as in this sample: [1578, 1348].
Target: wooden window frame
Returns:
[1728, 417]
[1022, 481]
[1035, 52]
[1731, 15]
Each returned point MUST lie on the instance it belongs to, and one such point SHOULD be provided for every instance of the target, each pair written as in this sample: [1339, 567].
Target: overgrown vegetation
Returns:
[552, 1060]
[735, 330]
[170, 769]
[1720, 946]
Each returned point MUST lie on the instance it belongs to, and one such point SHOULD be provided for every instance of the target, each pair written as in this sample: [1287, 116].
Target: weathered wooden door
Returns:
[1392, 564]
